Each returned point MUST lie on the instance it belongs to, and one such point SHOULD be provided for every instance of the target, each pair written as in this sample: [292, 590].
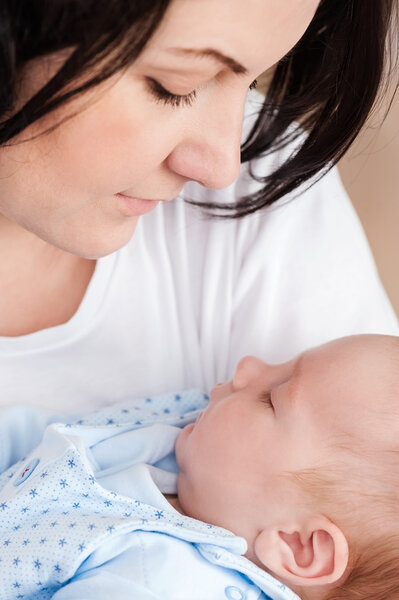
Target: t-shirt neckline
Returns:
[77, 325]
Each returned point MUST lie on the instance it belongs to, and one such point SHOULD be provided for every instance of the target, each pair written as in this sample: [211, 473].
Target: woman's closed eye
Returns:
[176, 100]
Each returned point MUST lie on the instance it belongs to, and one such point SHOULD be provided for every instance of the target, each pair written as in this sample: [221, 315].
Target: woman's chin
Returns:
[93, 245]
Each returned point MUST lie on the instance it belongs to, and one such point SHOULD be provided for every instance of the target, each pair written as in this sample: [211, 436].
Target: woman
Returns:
[108, 110]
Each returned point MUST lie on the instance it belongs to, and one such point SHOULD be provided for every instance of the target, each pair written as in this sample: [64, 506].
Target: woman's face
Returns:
[62, 185]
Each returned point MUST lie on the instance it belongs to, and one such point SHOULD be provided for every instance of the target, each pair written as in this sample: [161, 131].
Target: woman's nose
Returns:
[248, 369]
[209, 152]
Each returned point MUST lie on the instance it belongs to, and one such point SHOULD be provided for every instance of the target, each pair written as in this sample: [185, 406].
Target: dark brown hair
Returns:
[328, 82]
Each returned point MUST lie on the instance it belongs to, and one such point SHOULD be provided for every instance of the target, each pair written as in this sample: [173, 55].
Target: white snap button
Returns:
[26, 471]
[234, 593]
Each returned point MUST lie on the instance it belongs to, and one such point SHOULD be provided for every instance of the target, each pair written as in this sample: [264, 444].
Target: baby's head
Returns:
[302, 460]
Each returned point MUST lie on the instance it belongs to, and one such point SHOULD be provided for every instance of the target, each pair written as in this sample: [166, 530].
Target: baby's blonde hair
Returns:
[374, 574]
[367, 511]
[359, 492]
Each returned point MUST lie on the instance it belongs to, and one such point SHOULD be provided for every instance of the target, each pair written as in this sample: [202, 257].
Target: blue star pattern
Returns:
[66, 485]
[37, 552]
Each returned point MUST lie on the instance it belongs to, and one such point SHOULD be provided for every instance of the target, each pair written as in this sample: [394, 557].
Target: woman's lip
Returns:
[134, 207]
[144, 199]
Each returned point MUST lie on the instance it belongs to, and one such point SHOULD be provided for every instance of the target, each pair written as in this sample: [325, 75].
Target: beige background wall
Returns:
[370, 172]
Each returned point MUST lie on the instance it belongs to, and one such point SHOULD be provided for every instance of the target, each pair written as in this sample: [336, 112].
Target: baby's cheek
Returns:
[179, 448]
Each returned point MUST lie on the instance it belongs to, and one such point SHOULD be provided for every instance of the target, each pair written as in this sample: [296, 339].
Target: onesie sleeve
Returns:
[116, 570]
[104, 585]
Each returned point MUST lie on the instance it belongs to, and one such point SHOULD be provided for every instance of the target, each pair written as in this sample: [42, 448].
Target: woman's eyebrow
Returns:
[227, 61]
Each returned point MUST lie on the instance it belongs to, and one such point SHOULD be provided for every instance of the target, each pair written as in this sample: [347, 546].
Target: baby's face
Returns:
[272, 420]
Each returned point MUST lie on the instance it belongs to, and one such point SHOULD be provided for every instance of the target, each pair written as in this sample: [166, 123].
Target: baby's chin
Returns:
[187, 500]
[183, 496]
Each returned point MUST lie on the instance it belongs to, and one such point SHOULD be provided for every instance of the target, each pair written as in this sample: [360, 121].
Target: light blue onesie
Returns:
[83, 516]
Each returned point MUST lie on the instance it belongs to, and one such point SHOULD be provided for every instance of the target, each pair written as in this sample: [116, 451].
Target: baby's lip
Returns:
[216, 386]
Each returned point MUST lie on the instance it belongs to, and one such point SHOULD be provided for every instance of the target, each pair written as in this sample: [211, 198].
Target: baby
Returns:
[296, 459]
[300, 460]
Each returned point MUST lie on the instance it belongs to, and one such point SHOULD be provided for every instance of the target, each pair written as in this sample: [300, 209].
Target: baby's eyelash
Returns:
[176, 100]
[266, 398]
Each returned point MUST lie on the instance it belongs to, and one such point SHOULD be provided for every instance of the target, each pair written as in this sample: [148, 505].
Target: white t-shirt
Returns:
[188, 296]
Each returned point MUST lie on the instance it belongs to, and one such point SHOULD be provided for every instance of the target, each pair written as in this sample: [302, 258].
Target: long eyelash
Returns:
[175, 100]
[266, 397]
[172, 99]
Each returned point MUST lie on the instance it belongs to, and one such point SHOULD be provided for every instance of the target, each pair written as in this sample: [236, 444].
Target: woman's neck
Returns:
[42, 286]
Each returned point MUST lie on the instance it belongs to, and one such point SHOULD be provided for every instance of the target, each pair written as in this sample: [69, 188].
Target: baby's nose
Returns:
[248, 369]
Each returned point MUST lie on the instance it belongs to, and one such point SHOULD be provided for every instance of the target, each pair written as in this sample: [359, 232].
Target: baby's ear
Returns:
[314, 552]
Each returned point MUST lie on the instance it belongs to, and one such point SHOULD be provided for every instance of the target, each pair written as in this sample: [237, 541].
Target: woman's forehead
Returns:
[249, 32]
